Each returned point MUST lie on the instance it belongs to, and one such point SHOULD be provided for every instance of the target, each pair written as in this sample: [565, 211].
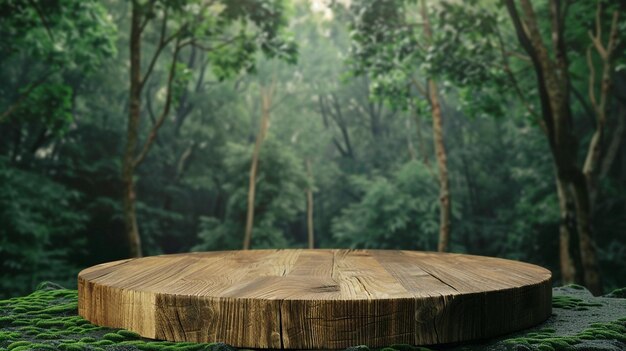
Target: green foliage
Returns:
[39, 230]
[51, 100]
[399, 212]
[386, 46]
[60, 194]
[66, 34]
[231, 32]
[466, 44]
[54, 46]
[279, 198]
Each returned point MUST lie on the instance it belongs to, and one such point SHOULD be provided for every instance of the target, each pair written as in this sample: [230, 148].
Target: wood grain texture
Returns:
[316, 299]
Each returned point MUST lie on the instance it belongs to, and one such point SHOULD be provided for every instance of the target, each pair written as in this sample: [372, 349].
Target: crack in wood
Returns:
[441, 280]
[280, 324]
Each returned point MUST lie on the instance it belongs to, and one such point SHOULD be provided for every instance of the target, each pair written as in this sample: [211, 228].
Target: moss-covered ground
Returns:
[47, 320]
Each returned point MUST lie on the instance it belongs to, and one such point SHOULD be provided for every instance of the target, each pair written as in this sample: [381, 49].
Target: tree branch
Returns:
[6, 114]
[525, 42]
[43, 19]
[166, 109]
[419, 87]
[324, 112]
[160, 46]
[592, 81]
[614, 144]
[513, 80]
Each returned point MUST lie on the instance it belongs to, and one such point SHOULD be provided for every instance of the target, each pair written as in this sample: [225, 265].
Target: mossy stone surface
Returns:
[47, 320]
[579, 321]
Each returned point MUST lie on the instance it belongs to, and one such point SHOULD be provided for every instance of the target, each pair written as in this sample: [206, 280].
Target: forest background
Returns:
[149, 127]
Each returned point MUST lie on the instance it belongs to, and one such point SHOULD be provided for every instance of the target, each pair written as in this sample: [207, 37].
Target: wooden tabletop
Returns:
[316, 299]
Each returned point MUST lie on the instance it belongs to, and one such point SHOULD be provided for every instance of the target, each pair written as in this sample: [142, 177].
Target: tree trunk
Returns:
[409, 142]
[266, 100]
[553, 84]
[309, 207]
[591, 272]
[128, 169]
[440, 149]
[566, 228]
[442, 164]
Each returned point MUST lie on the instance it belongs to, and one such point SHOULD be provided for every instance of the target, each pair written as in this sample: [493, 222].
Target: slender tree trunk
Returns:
[409, 142]
[309, 207]
[616, 141]
[266, 100]
[442, 165]
[128, 169]
[591, 168]
[440, 149]
[566, 227]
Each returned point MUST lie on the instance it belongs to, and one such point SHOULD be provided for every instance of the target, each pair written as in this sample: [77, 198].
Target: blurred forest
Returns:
[148, 127]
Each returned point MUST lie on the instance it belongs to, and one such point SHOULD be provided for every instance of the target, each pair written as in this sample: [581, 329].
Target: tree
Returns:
[48, 51]
[309, 207]
[388, 46]
[277, 201]
[556, 81]
[266, 105]
[554, 86]
[222, 32]
[51, 40]
[388, 213]
[36, 214]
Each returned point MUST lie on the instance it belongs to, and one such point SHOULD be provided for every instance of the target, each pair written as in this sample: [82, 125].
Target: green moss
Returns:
[128, 334]
[104, 342]
[47, 320]
[575, 287]
[358, 348]
[19, 322]
[50, 324]
[48, 336]
[17, 343]
[40, 346]
[572, 303]
[618, 293]
[65, 308]
[406, 347]
[546, 340]
[113, 337]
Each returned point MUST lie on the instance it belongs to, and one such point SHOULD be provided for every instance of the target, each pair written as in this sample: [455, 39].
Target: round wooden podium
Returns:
[316, 299]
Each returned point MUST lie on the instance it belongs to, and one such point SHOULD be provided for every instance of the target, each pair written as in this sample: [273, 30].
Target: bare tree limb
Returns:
[166, 109]
[513, 80]
[614, 144]
[160, 46]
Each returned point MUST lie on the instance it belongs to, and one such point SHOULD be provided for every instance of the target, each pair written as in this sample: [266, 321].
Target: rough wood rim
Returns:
[316, 299]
